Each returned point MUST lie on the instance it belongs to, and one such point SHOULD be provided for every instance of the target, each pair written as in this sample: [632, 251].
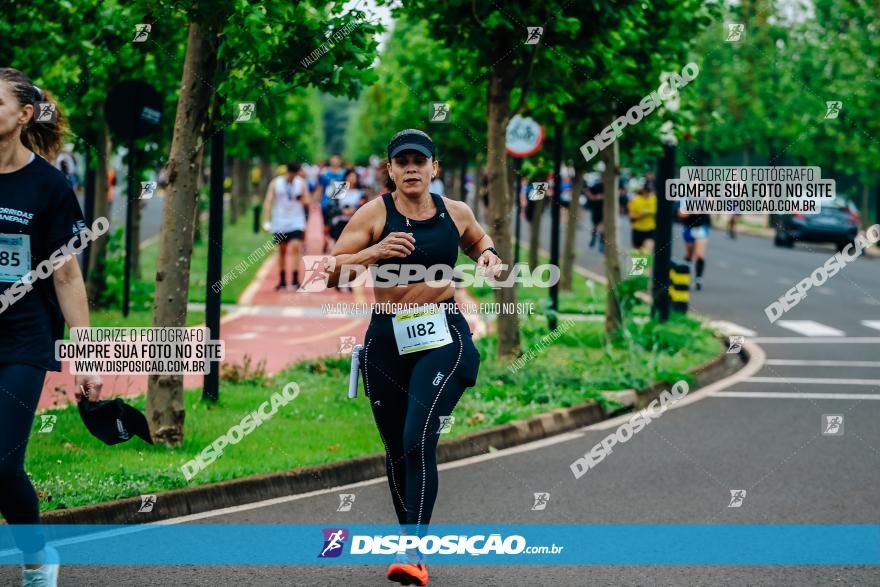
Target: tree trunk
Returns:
[165, 406]
[499, 90]
[137, 212]
[240, 188]
[200, 182]
[876, 202]
[98, 254]
[574, 211]
[454, 190]
[613, 319]
[462, 182]
[535, 231]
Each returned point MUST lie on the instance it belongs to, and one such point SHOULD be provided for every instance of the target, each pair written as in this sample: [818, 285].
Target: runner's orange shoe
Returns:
[408, 574]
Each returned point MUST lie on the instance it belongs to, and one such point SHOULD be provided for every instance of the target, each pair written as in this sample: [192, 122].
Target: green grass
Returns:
[239, 242]
[586, 297]
[139, 318]
[70, 468]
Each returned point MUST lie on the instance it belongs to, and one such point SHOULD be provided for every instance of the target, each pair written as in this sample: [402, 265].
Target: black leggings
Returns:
[409, 394]
[20, 387]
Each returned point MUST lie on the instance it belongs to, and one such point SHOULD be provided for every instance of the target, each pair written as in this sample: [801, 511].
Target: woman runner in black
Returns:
[415, 368]
[39, 214]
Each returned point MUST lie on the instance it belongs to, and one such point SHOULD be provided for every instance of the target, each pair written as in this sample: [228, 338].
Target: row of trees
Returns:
[763, 99]
[592, 63]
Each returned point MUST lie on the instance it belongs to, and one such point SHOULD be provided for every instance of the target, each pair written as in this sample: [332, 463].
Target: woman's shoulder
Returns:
[457, 208]
[51, 181]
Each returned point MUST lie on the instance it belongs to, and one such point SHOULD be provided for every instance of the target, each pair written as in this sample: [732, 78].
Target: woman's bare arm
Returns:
[355, 245]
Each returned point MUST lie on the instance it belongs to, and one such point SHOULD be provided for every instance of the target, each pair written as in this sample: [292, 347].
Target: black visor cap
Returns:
[411, 142]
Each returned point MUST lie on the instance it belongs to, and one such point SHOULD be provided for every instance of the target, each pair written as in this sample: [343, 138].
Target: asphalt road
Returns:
[766, 438]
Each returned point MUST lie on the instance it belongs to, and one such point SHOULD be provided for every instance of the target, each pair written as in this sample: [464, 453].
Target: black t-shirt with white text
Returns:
[39, 214]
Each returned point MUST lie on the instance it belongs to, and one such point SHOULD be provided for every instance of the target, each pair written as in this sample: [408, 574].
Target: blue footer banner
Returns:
[605, 544]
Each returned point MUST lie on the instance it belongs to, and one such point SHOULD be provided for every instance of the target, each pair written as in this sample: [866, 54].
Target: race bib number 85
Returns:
[15, 256]
[420, 329]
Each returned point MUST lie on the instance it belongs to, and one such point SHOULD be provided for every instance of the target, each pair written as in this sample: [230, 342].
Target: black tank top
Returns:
[436, 238]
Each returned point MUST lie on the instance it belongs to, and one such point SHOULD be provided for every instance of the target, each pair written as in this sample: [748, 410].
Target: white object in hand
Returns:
[353, 376]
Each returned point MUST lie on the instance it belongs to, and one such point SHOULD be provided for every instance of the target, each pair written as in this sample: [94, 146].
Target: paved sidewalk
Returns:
[280, 327]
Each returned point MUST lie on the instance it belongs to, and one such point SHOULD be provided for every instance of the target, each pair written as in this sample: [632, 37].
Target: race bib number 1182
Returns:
[420, 329]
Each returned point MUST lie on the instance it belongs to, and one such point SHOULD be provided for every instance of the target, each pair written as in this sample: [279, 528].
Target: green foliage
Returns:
[71, 468]
[762, 99]
[406, 87]
[112, 275]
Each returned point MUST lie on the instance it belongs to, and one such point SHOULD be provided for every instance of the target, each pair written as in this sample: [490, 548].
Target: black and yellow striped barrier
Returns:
[680, 286]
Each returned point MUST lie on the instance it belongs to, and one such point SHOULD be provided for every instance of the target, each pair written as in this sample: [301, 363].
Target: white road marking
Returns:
[870, 301]
[822, 340]
[750, 272]
[242, 336]
[784, 280]
[814, 363]
[810, 328]
[778, 395]
[825, 291]
[723, 264]
[730, 329]
[816, 380]
[875, 324]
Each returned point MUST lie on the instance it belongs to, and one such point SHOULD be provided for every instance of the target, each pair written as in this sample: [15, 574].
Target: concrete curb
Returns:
[212, 496]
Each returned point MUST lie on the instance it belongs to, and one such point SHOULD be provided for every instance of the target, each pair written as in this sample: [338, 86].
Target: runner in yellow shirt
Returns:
[643, 214]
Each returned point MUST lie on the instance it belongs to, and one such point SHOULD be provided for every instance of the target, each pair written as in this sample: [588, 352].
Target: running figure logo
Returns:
[246, 112]
[736, 498]
[734, 32]
[141, 32]
[439, 112]
[315, 277]
[147, 504]
[539, 190]
[339, 189]
[346, 500]
[334, 540]
[832, 108]
[446, 423]
[541, 500]
[534, 34]
[47, 423]
[735, 344]
[639, 264]
[832, 424]
[346, 344]
[46, 112]
[147, 189]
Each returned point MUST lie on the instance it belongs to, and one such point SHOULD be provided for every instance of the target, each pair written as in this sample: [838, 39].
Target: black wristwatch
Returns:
[494, 252]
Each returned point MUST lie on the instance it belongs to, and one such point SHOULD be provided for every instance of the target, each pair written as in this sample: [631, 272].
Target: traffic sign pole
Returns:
[554, 224]
[129, 222]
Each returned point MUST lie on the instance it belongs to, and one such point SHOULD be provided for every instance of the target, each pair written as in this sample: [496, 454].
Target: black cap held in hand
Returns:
[114, 421]
[411, 139]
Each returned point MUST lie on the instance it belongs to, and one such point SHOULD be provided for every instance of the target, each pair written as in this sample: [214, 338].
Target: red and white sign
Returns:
[524, 137]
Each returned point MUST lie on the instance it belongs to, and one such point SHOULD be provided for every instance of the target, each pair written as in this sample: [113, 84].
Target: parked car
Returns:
[837, 223]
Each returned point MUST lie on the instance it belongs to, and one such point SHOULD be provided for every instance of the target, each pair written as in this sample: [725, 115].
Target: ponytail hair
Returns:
[45, 138]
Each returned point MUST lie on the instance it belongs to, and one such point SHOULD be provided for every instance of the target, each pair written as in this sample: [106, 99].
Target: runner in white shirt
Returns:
[286, 201]
[436, 186]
